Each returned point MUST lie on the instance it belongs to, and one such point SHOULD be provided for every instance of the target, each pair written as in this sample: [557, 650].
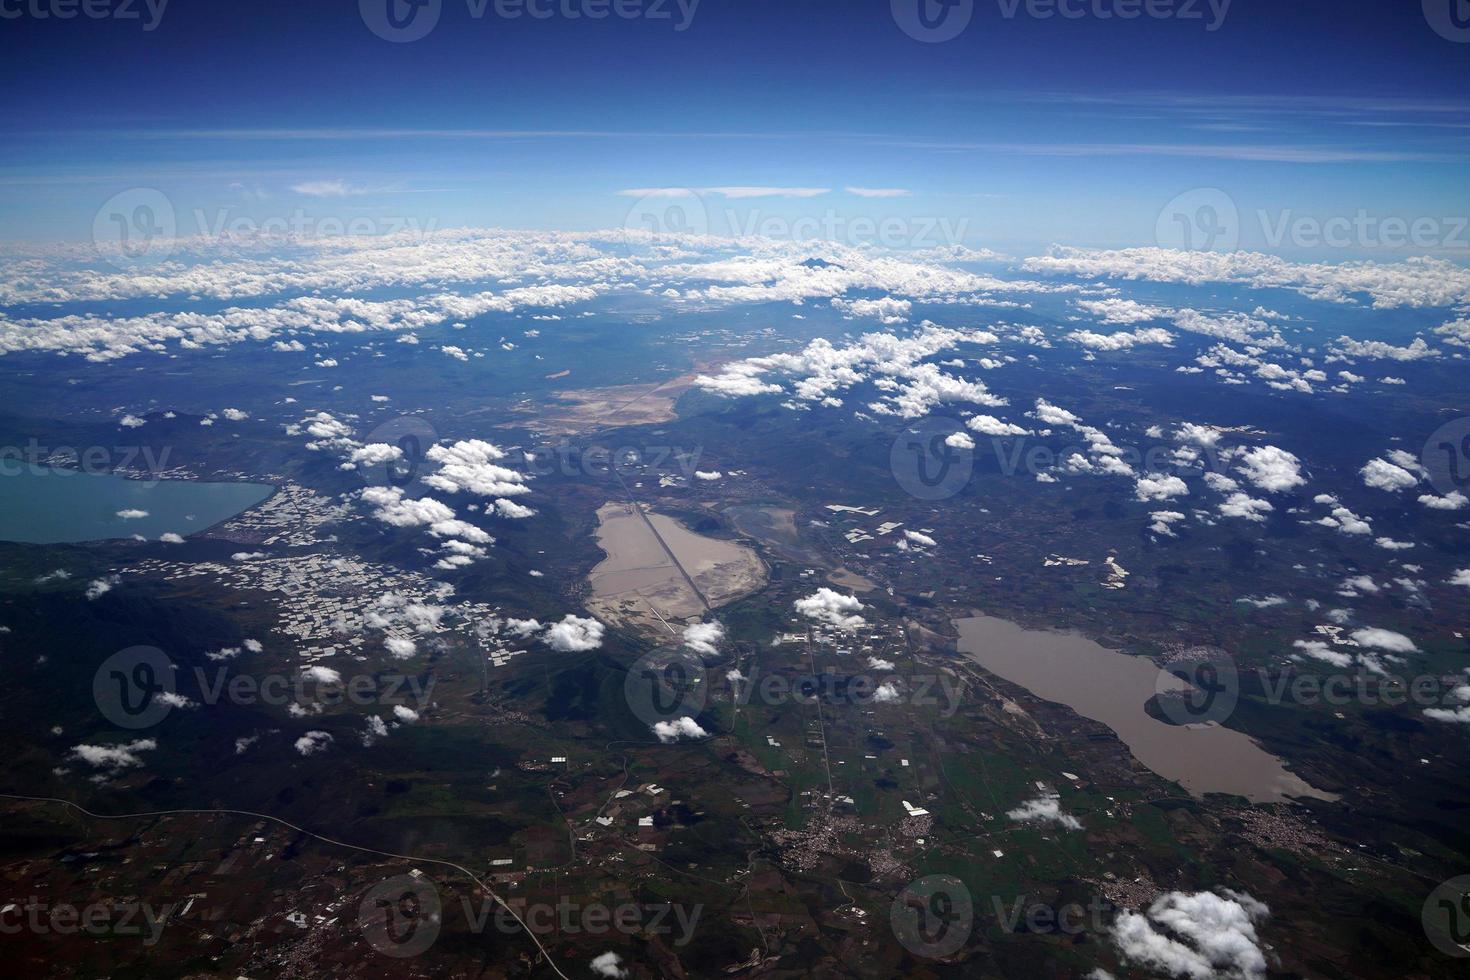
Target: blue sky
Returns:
[1020, 131]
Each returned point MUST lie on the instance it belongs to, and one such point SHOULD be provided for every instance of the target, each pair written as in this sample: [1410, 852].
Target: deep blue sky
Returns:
[1032, 131]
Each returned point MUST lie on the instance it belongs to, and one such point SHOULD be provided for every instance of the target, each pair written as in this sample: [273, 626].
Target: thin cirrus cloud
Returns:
[327, 188]
[878, 191]
[735, 193]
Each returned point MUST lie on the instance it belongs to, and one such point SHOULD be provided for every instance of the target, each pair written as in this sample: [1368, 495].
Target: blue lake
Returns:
[39, 505]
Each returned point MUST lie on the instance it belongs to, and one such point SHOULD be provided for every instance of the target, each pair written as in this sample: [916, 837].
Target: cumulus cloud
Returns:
[959, 440]
[100, 586]
[831, 607]
[473, 466]
[391, 507]
[1245, 507]
[989, 425]
[1382, 639]
[114, 758]
[672, 731]
[1200, 936]
[1044, 809]
[400, 647]
[1160, 486]
[313, 742]
[1380, 474]
[704, 638]
[1417, 282]
[1271, 469]
[574, 634]
[608, 965]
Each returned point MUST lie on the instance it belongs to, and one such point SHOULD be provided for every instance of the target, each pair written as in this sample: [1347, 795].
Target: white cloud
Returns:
[1245, 507]
[473, 466]
[114, 757]
[1454, 500]
[1380, 474]
[313, 742]
[1044, 809]
[704, 638]
[989, 425]
[99, 587]
[1201, 936]
[831, 607]
[400, 648]
[1160, 486]
[1381, 639]
[327, 188]
[607, 965]
[1417, 282]
[672, 731]
[574, 634]
[1273, 470]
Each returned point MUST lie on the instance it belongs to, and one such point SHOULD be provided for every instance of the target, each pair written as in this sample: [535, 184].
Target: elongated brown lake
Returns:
[1112, 688]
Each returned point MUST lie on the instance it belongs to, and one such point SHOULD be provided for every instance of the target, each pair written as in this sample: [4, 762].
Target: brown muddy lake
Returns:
[1112, 688]
[641, 583]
